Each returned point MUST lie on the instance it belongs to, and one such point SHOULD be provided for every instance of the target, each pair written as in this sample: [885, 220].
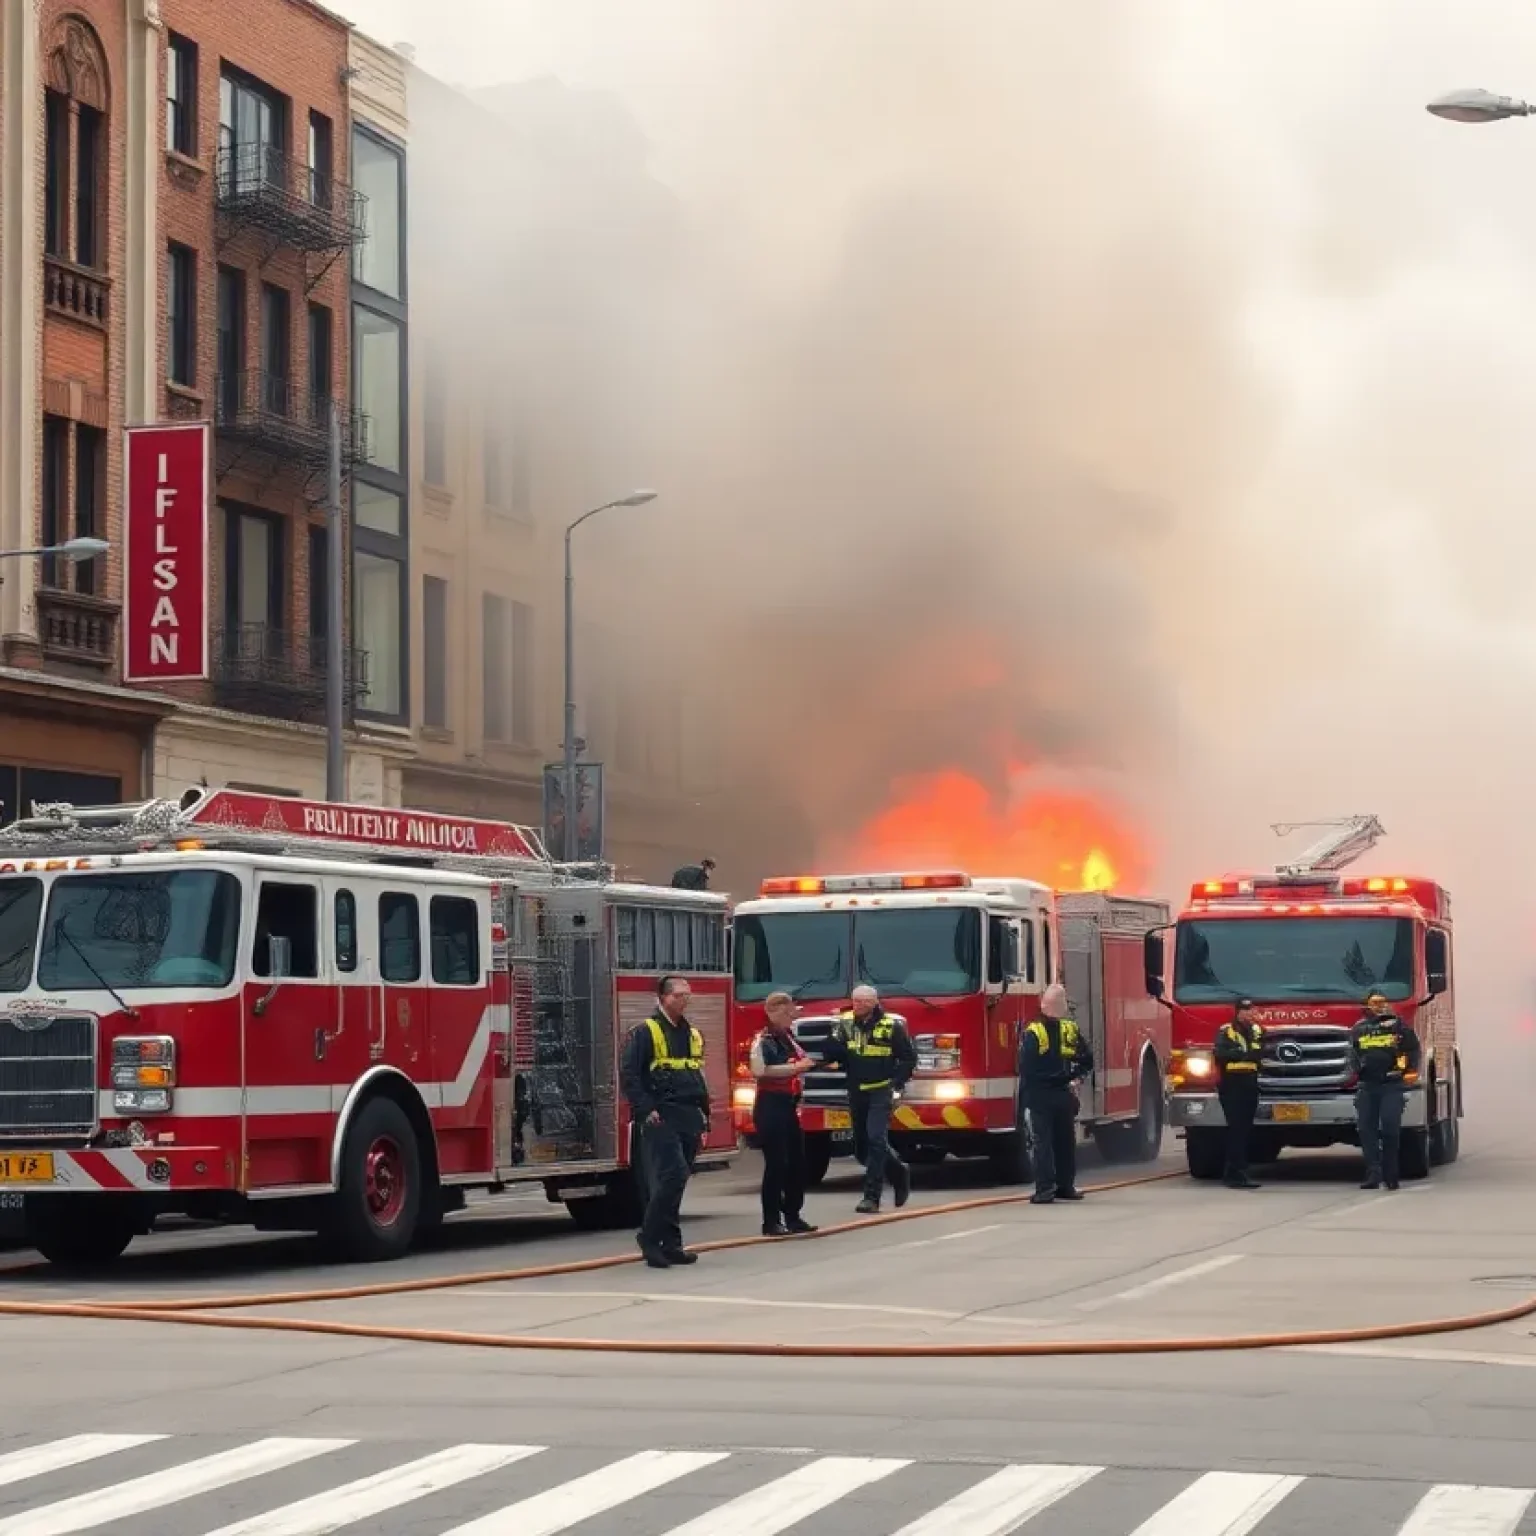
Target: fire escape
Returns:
[271, 427]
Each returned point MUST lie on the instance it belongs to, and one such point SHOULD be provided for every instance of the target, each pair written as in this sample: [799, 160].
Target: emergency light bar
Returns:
[1268, 887]
[832, 885]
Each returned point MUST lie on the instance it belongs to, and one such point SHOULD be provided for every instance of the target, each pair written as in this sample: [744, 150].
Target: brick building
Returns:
[178, 237]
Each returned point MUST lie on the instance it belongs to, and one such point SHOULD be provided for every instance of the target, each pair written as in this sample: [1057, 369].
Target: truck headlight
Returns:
[143, 1074]
[743, 1096]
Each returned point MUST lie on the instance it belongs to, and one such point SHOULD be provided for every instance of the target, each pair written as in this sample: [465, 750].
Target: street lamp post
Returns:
[77, 551]
[568, 775]
[1477, 106]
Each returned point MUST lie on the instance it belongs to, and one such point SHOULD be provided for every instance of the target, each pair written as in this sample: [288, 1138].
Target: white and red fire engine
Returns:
[321, 1017]
[1307, 944]
[962, 962]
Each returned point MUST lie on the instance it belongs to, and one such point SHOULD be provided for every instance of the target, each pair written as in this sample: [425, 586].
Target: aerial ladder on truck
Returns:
[1351, 836]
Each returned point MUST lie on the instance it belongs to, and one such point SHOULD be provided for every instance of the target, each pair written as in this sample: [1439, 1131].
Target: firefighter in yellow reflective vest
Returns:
[663, 1077]
[1386, 1059]
[1054, 1058]
[877, 1055]
[1239, 1045]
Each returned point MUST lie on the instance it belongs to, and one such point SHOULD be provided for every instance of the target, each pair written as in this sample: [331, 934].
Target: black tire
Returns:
[376, 1210]
[1013, 1155]
[1413, 1153]
[1205, 1151]
[1445, 1135]
[618, 1206]
[81, 1231]
[818, 1158]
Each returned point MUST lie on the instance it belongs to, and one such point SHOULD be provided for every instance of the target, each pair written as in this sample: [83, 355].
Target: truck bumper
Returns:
[1335, 1110]
[116, 1170]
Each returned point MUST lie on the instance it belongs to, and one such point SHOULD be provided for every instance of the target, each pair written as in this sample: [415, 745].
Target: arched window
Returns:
[76, 173]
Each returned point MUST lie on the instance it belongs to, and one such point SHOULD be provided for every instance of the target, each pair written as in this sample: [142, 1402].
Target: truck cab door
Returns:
[1006, 994]
[352, 1012]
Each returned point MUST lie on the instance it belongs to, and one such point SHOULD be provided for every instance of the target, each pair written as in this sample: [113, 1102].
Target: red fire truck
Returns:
[1307, 946]
[962, 962]
[322, 1017]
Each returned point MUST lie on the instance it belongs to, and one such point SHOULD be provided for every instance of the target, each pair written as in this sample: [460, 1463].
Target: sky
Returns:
[1219, 264]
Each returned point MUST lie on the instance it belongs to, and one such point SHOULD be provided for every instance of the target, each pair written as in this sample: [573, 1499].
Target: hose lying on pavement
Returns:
[213, 1312]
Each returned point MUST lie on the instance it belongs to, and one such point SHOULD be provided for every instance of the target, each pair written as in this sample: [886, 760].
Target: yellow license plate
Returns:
[1292, 1112]
[26, 1167]
[839, 1120]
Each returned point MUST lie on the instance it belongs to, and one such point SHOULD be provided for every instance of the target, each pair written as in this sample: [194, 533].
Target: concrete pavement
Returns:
[1370, 1428]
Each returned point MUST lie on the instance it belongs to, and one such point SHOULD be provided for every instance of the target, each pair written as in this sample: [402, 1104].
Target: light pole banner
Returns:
[589, 814]
[165, 552]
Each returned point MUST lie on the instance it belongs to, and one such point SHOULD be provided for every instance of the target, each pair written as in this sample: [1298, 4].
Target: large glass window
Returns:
[377, 341]
[177, 929]
[379, 629]
[805, 953]
[1275, 958]
[378, 509]
[21, 904]
[377, 174]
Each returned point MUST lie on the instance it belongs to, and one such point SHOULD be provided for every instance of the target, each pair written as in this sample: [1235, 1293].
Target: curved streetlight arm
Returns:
[74, 549]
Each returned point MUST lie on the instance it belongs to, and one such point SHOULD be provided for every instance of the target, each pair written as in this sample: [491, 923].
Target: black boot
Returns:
[901, 1181]
[1372, 1179]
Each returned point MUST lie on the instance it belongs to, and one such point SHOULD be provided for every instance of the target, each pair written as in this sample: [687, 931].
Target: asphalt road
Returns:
[270, 1433]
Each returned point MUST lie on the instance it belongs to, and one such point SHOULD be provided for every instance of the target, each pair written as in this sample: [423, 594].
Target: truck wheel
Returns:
[375, 1211]
[81, 1231]
[1445, 1135]
[1013, 1155]
[1139, 1140]
[1413, 1153]
[818, 1158]
[1206, 1153]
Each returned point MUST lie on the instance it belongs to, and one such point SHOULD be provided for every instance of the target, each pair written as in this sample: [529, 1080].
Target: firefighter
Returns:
[877, 1054]
[1239, 1046]
[693, 877]
[778, 1063]
[1055, 1056]
[1385, 1053]
[663, 1077]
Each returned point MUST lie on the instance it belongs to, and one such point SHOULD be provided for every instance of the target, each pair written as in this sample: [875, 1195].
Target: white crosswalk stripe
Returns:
[88, 1482]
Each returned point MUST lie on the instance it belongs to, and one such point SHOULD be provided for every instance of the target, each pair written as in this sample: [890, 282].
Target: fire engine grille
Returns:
[1305, 1060]
[47, 1076]
[828, 1087]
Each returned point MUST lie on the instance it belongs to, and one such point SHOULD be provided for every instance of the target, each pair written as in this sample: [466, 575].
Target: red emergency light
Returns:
[832, 885]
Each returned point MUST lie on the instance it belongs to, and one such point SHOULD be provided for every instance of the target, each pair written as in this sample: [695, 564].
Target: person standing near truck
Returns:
[1239, 1045]
[778, 1063]
[877, 1054]
[1386, 1056]
[1053, 1058]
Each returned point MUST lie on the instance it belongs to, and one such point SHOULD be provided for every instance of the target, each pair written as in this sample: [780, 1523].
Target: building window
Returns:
[493, 650]
[231, 341]
[181, 95]
[522, 674]
[253, 133]
[378, 625]
[377, 509]
[90, 180]
[276, 350]
[520, 501]
[377, 352]
[378, 173]
[253, 579]
[55, 490]
[320, 160]
[434, 468]
[90, 498]
[181, 310]
[434, 653]
[56, 176]
[319, 593]
[320, 361]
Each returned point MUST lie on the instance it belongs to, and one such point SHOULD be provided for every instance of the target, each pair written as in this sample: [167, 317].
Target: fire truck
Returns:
[311, 1016]
[961, 961]
[1307, 945]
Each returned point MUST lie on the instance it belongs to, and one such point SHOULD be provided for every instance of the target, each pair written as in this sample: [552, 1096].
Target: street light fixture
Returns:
[1477, 106]
[568, 776]
[71, 549]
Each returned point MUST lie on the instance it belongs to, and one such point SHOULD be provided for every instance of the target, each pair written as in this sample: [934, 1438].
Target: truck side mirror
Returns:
[1152, 963]
[1437, 968]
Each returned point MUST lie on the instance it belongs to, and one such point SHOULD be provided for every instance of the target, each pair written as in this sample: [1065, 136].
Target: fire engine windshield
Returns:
[1269, 958]
[173, 929]
[923, 952]
[21, 904]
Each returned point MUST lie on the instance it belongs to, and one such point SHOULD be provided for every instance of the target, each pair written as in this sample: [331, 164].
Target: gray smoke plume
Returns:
[1130, 388]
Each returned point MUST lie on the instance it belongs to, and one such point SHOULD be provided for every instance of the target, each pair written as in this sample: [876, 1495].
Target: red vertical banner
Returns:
[165, 552]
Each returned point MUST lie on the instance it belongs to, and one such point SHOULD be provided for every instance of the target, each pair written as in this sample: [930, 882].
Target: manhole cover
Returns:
[1525, 1283]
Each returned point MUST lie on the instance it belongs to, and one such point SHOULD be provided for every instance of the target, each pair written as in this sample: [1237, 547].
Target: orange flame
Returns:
[948, 820]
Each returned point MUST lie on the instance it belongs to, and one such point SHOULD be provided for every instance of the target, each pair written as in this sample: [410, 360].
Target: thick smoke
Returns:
[1127, 388]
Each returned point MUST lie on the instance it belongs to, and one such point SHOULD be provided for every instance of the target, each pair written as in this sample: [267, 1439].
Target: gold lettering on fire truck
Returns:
[394, 827]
